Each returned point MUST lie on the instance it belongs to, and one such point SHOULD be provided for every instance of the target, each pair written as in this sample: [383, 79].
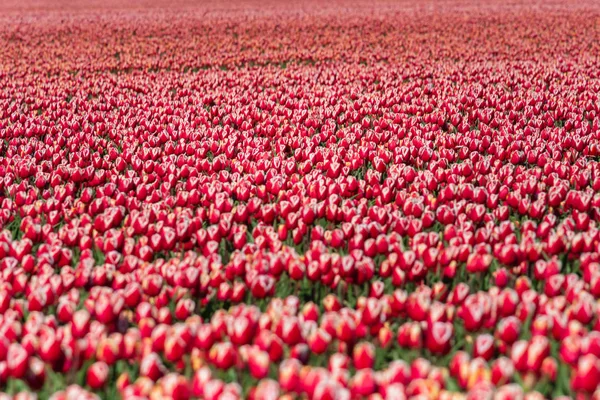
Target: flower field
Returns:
[312, 201]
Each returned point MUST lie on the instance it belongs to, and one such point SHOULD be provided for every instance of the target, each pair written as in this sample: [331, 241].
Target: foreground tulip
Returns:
[36, 374]
[152, 367]
[438, 337]
[289, 374]
[175, 386]
[363, 355]
[201, 377]
[223, 355]
[267, 390]
[97, 375]
[484, 347]
[587, 373]
[17, 360]
[363, 383]
[258, 364]
[319, 341]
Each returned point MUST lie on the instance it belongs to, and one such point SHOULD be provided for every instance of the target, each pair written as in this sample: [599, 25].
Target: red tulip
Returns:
[242, 331]
[587, 373]
[502, 371]
[385, 336]
[363, 355]
[319, 341]
[267, 389]
[36, 373]
[258, 364]
[549, 368]
[222, 355]
[410, 335]
[152, 367]
[289, 374]
[570, 349]
[97, 375]
[17, 361]
[201, 377]
[204, 337]
[438, 337]
[363, 383]
[175, 386]
[484, 347]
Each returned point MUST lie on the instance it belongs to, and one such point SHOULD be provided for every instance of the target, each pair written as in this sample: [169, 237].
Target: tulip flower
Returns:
[97, 375]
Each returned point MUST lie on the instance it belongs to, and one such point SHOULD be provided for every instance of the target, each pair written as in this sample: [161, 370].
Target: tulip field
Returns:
[271, 200]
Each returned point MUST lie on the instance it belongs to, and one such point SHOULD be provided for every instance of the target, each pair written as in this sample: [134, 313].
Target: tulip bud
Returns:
[97, 375]
[363, 355]
[258, 364]
[363, 383]
[438, 337]
[289, 374]
[587, 374]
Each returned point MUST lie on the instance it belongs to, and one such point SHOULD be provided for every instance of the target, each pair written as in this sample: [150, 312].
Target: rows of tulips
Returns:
[345, 201]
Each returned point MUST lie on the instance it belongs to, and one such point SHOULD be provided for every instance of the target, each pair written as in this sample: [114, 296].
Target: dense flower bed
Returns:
[272, 201]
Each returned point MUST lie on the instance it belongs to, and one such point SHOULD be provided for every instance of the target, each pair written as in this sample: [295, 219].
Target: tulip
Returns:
[363, 383]
[518, 355]
[36, 374]
[385, 337]
[549, 368]
[17, 360]
[267, 389]
[438, 337]
[570, 349]
[289, 374]
[97, 375]
[502, 371]
[151, 366]
[258, 364]
[201, 377]
[213, 389]
[587, 373]
[319, 341]
[363, 355]
[175, 386]
[222, 355]
[508, 329]
[410, 335]
[242, 331]
[484, 347]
